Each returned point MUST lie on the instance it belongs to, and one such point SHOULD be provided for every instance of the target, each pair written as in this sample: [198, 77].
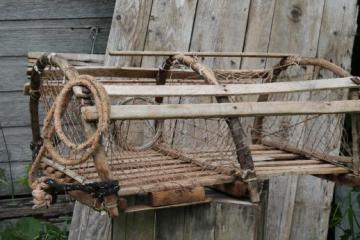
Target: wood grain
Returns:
[42, 9]
[59, 36]
[304, 20]
[128, 30]
[230, 89]
[184, 111]
[169, 28]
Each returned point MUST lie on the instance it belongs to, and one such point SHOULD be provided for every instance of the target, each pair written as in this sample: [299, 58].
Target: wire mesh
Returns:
[143, 152]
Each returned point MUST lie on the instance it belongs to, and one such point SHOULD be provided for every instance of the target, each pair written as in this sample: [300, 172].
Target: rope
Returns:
[41, 198]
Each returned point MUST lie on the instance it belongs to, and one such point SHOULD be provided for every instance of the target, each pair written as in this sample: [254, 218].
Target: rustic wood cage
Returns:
[166, 133]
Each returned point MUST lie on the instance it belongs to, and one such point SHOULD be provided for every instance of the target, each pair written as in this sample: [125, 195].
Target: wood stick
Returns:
[322, 156]
[334, 170]
[346, 179]
[242, 109]
[137, 72]
[177, 196]
[187, 183]
[230, 89]
[355, 129]
[103, 170]
[201, 54]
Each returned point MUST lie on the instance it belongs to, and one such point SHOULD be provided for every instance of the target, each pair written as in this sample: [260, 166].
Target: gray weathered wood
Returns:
[13, 73]
[170, 224]
[170, 111]
[140, 225]
[279, 219]
[88, 224]
[304, 20]
[235, 221]
[17, 140]
[20, 37]
[202, 54]
[128, 30]
[199, 222]
[230, 89]
[22, 207]
[18, 173]
[258, 32]
[220, 26]
[43, 9]
[169, 28]
[335, 43]
[14, 109]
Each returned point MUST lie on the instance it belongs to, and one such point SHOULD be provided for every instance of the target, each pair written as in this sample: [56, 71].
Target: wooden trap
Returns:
[165, 134]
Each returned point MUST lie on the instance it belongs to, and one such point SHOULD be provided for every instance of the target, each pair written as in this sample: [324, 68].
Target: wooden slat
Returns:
[76, 58]
[171, 111]
[268, 174]
[230, 89]
[201, 54]
[286, 163]
[201, 181]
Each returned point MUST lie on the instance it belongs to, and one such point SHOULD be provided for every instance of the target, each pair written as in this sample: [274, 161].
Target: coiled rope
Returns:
[53, 125]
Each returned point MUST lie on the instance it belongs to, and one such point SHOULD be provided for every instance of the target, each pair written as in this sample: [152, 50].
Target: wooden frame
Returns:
[242, 109]
[225, 108]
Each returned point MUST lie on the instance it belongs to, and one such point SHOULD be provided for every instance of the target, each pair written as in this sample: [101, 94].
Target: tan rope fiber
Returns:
[80, 152]
[57, 109]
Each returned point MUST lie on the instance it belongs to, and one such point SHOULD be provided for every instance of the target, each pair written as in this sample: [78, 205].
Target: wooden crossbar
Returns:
[229, 89]
[137, 72]
[201, 54]
[171, 111]
[225, 89]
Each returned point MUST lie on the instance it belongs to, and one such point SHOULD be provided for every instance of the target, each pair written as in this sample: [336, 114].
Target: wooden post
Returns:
[355, 130]
[242, 149]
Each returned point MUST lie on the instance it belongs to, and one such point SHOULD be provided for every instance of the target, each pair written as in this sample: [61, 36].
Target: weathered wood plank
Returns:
[22, 207]
[303, 19]
[66, 35]
[128, 30]
[169, 28]
[13, 73]
[170, 224]
[43, 9]
[199, 222]
[236, 221]
[14, 177]
[229, 89]
[319, 208]
[118, 227]
[79, 59]
[210, 33]
[14, 109]
[258, 31]
[335, 43]
[169, 111]
[202, 53]
[18, 143]
[140, 225]
[279, 222]
[89, 224]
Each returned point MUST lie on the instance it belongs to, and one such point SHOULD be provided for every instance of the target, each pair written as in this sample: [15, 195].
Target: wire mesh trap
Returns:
[110, 133]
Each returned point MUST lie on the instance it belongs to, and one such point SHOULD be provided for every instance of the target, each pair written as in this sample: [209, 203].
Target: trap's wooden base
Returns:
[170, 180]
[177, 196]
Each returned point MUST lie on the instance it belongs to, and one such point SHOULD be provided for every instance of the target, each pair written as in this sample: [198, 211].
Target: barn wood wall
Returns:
[297, 207]
[38, 25]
